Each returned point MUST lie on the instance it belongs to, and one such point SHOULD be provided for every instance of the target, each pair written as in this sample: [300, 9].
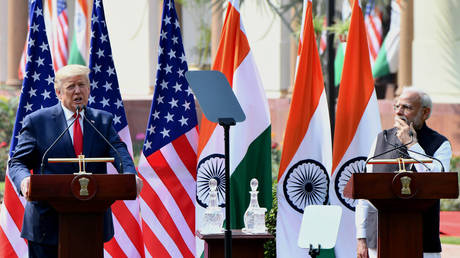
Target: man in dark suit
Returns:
[40, 129]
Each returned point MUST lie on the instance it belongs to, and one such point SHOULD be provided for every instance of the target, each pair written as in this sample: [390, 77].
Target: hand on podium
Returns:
[25, 183]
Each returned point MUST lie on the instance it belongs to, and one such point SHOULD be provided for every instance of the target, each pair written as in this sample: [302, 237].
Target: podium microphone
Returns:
[419, 153]
[411, 134]
[390, 150]
[105, 139]
[78, 110]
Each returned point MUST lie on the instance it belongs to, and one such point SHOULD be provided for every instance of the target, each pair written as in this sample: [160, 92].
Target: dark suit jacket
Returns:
[40, 129]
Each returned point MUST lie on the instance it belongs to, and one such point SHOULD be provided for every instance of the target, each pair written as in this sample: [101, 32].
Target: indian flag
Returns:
[338, 62]
[307, 154]
[79, 49]
[250, 141]
[388, 59]
[357, 125]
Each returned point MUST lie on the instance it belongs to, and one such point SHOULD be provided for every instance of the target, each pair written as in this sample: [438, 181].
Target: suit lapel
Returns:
[65, 144]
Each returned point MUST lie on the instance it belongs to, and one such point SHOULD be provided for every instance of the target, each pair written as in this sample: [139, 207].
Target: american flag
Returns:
[105, 95]
[55, 13]
[168, 160]
[373, 21]
[37, 92]
[60, 46]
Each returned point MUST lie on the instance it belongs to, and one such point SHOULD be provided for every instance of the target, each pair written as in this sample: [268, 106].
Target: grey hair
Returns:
[69, 71]
[425, 99]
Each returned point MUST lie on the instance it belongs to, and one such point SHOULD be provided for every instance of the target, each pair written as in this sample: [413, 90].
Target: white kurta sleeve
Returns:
[363, 206]
[443, 153]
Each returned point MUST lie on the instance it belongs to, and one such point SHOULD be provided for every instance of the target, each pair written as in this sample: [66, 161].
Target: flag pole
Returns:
[330, 66]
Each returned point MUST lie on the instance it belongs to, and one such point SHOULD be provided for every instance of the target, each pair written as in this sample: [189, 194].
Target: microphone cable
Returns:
[402, 146]
[105, 139]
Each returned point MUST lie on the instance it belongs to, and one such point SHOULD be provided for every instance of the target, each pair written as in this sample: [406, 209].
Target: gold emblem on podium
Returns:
[405, 185]
[84, 186]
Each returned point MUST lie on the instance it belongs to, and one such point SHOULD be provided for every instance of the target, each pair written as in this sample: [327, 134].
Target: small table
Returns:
[243, 245]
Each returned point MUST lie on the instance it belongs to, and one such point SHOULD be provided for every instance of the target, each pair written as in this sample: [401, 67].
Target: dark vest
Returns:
[430, 141]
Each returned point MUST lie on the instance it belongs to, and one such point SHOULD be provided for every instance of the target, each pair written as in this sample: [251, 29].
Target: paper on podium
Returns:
[320, 225]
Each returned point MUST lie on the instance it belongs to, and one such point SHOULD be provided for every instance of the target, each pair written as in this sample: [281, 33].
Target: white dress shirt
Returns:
[69, 118]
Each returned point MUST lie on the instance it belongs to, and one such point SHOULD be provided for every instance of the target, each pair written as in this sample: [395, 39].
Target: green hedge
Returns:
[8, 107]
[452, 204]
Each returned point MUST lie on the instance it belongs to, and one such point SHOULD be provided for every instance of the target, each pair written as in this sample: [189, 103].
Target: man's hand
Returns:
[139, 185]
[25, 187]
[361, 251]
[405, 130]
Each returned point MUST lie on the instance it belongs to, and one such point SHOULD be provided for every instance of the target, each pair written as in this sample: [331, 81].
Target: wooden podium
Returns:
[401, 199]
[81, 201]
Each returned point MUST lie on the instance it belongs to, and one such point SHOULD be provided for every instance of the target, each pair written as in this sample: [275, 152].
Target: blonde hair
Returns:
[69, 71]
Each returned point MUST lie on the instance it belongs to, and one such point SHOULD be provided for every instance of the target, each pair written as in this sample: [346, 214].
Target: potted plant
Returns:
[340, 29]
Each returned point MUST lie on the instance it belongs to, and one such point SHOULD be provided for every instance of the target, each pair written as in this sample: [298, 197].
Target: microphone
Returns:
[390, 150]
[78, 110]
[385, 133]
[105, 139]
[396, 147]
[422, 154]
[411, 134]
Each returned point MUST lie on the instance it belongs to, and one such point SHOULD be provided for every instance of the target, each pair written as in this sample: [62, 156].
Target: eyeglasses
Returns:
[403, 107]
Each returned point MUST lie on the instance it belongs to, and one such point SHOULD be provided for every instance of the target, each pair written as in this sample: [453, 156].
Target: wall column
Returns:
[406, 38]
[216, 28]
[3, 39]
[17, 32]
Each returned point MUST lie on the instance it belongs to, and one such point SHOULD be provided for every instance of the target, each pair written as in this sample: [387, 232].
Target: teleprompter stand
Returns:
[319, 228]
[219, 105]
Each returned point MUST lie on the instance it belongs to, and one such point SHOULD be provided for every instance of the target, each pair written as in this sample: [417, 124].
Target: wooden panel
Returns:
[243, 245]
[402, 236]
[81, 235]
[58, 187]
[379, 186]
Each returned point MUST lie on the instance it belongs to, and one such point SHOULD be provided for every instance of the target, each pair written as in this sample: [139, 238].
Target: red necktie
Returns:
[77, 137]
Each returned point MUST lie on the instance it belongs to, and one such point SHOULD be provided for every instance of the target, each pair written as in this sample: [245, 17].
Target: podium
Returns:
[401, 199]
[81, 201]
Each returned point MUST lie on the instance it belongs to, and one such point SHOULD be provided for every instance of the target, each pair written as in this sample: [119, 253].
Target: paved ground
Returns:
[450, 251]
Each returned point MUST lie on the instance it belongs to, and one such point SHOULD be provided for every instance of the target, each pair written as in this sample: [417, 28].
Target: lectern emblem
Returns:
[405, 182]
[84, 186]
